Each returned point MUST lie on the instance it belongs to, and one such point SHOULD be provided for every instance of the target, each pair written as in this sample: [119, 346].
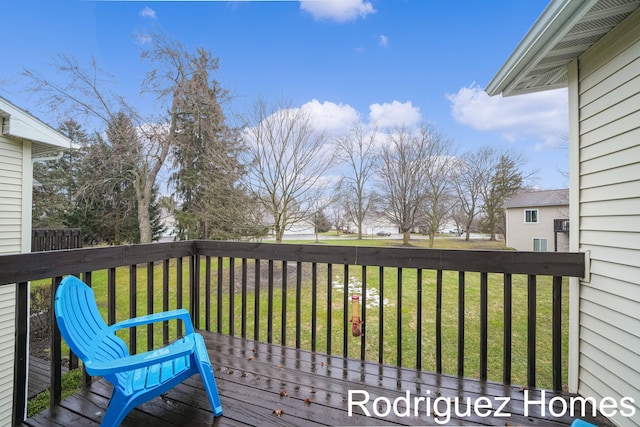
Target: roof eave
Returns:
[554, 23]
[17, 123]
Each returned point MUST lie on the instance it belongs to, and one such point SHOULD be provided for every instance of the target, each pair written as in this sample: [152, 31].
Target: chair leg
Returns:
[206, 374]
[117, 410]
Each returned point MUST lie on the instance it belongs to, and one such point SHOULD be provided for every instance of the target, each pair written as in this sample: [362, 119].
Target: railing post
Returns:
[194, 290]
[556, 339]
[508, 297]
[133, 302]
[461, 298]
[86, 378]
[56, 351]
[484, 322]
[150, 310]
[531, 330]
[21, 353]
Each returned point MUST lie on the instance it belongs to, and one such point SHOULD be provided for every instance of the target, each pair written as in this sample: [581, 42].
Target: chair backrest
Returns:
[81, 325]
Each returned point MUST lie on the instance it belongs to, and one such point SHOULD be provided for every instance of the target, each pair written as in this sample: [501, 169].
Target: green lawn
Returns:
[389, 288]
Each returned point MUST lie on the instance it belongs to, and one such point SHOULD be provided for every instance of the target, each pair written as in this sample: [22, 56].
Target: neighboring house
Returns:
[538, 221]
[593, 48]
[23, 140]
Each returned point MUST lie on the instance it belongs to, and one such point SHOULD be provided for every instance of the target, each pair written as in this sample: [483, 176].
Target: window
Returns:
[539, 245]
[531, 216]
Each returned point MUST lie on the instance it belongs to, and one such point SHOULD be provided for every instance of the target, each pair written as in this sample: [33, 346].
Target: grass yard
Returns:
[385, 304]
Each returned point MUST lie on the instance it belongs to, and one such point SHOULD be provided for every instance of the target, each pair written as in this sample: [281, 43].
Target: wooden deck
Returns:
[39, 375]
[263, 385]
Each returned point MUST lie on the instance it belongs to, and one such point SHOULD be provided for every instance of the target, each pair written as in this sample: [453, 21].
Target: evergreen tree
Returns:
[56, 182]
[505, 182]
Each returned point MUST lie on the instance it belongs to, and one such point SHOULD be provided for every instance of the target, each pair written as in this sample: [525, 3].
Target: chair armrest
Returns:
[153, 357]
[181, 314]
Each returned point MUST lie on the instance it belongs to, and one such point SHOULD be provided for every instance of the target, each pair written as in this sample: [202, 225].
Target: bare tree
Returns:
[87, 93]
[357, 151]
[401, 172]
[438, 172]
[287, 160]
[473, 173]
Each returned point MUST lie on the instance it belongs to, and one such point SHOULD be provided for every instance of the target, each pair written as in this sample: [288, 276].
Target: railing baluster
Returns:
[381, 315]
[111, 296]
[345, 311]
[133, 309]
[55, 348]
[243, 324]
[256, 300]
[232, 295]
[363, 301]
[399, 321]
[461, 301]
[165, 300]
[179, 284]
[508, 298]
[557, 333]
[298, 302]
[270, 303]
[439, 321]
[283, 321]
[86, 378]
[194, 290]
[531, 331]
[207, 292]
[149, 304]
[329, 311]
[219, 295]
[484, 322]
[21, 354]
[314, 304]
[419, 320]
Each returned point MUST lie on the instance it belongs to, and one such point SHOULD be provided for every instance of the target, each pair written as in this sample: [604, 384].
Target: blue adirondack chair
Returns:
[136, 378]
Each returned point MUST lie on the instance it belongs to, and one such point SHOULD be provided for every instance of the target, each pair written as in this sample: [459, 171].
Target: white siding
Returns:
[609, 210]
[12, 179]
[520, 234]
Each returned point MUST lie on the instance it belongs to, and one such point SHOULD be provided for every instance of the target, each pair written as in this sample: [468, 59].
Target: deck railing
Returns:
[485, 314]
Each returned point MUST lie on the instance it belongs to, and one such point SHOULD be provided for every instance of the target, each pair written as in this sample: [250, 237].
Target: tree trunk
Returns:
[143, 196]
[432, 238]
[405, 238]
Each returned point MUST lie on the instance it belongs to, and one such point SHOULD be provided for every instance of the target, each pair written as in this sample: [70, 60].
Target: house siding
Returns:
[609, 213]
[520, 234]
[12, 181]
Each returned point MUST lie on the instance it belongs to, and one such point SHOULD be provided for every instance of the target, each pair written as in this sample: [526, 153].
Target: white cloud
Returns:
[384, 41]
[331, 118]
[542, 115]
[142, 38]
[396, 114]
[147, 12]
[337, 10]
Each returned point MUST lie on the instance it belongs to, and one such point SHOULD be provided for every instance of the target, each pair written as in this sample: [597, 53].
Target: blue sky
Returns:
[383, 62]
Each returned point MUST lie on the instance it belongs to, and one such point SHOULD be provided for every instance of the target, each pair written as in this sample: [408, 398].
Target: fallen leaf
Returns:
[278, 412]
[321, 363]
[254, 350]
[250, 358]
[523, 388]
[307, 401]
[283, 393]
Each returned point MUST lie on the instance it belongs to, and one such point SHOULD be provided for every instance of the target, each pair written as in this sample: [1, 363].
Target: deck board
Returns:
[39, 375]
[255, 379]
